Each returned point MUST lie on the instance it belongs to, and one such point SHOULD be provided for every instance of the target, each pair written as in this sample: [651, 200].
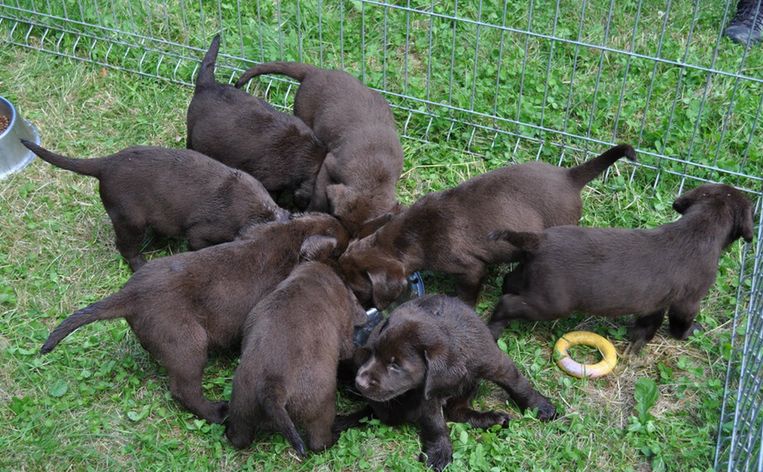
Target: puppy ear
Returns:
[444, 373]
[744, 224]
[372, 225]
[317, 248]
[387, 284]
[360, 317]
[683, 202]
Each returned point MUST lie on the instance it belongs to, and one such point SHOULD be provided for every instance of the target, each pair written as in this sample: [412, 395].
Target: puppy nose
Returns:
[361, 381]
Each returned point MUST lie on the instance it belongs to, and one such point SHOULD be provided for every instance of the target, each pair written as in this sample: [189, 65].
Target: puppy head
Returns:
[377, 278]
[393, 362]
[724, 197]
[409, 351]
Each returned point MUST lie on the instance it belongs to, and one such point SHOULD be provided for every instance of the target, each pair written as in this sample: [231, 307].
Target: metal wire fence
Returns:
[489, 78]
[740, 434]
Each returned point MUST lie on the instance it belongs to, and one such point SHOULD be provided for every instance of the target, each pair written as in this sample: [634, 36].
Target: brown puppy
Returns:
[444, 231]
[615, 272]
[295, 338]
[244, 132]
[357, 180]
[431, 353]
[176, 192]
[181, 307]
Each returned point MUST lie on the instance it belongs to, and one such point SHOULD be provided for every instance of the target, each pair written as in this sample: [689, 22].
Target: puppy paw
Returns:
[634, 348]
[499, 418]
[437, 459]
[695, 328]
[487, 419]
[546, 411]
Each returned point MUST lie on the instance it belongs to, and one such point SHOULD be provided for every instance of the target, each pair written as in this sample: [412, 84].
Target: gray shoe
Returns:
[747, 24]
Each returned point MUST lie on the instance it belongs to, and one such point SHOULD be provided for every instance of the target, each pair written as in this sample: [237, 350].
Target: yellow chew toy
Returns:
[586, 338]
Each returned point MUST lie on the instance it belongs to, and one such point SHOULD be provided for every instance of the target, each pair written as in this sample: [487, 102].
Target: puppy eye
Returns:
[393, 365]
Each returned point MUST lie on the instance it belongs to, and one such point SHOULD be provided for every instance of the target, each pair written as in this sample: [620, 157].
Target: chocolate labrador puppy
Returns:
[357, 180]
[183, 306]
[615, 272]
[294, 340]
[245, 132]
[176, 192]
[430, 354]
[444, 231]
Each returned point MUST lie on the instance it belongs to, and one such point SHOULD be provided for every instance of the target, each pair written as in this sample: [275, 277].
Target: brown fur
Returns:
[245, 132]
[614, 272]
[181, 307]
[175, 192]
[429, 355]
[357, 180]
[294, 340]
[444, 231]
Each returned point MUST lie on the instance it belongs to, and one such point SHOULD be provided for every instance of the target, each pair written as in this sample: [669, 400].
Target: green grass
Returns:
[100, 402]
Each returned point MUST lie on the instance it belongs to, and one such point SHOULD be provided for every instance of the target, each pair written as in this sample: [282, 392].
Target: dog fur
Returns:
[245, 132]
[295, 338]
[444, 231]
[615, 272]
[357, 180]
[181, 307]
[429, 355]
[175, 192]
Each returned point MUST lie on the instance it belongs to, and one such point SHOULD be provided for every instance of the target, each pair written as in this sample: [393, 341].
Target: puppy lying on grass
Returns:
[245, 132]
[182, 307]
[176, 192]
[357, 180]
[430, 354]
[294, 339]
[444, 231]
[615, 272]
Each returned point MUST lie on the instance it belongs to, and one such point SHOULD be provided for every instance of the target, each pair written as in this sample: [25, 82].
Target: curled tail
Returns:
[295, 70]
[91, 167]
[525, 242]
[206, 77]
[109, 308]
[589, 170]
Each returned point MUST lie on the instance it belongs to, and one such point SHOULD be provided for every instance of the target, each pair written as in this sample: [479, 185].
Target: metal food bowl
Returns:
[415, 289]
[13, 155]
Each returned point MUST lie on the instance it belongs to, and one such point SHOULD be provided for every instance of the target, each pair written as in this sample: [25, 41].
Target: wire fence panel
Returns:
[740, 435]
[489, 78]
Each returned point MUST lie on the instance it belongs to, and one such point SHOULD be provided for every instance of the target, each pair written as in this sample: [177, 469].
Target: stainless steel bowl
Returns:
[13, 155]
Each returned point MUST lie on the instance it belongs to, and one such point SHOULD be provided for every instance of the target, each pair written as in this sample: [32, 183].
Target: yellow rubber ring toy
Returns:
[586, 338]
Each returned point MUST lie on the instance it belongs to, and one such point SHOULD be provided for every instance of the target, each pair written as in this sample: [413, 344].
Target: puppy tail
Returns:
[525, 242]
[274, 406]
[108, 308]
[296, 70]
[589, 170]
[206, 76]
[91, 167]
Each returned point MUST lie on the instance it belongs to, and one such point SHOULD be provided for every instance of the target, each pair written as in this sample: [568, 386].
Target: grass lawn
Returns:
[99, 402]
